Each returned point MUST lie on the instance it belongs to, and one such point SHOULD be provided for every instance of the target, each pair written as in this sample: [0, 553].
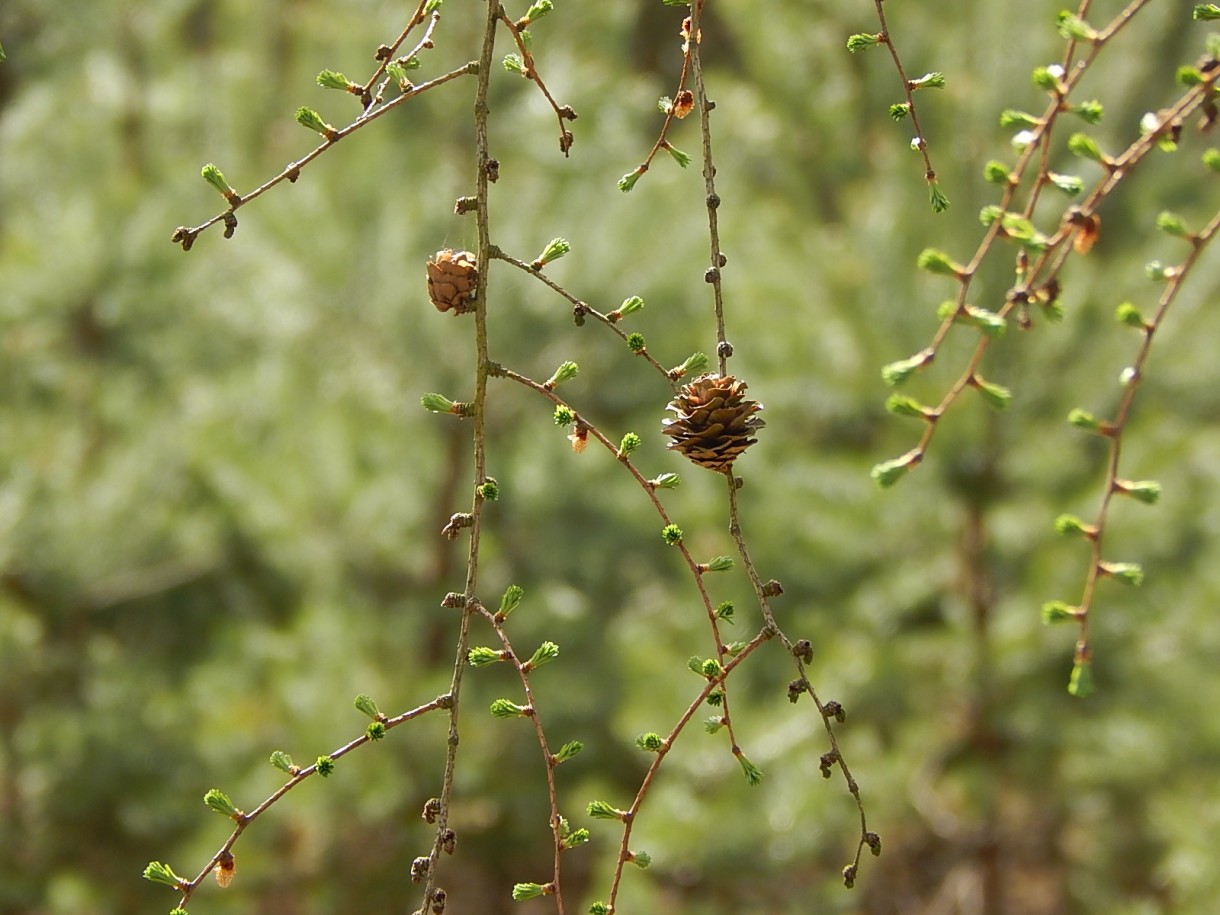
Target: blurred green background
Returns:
[220, 502]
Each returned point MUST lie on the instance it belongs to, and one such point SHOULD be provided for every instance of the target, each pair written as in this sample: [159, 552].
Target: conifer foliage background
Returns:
[220, 502]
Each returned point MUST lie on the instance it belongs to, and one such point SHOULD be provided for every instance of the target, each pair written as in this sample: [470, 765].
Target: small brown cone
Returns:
[714, 421]
[453, 278]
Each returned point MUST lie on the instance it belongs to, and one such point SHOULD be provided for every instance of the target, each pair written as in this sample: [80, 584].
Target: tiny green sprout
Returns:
[902, 405]
[1072, 185]
[482, 656]
[650, 742]
[928, 81]
[996, 395]
[1154, 123]
[640, 859]
[1091, 112]
[489, 491]
[568, 750]
[1022, 231]
[215, 177]
[996, 172]
[682, 158]
[566, 372]
[695, 364]
[987, 215]
[1129, 573]
[1022, 140]
[438, 403]
[1188, 76]
[528, 891]
[711, 669]
[1211, 159]
[753, 774]
[547, 651]
[1048, 78]
[178, 910]
[576, 838]
[695, 664]
[1072, 26]
[1084, 146]
[1011, 117]
[514, 63]
[715, 698]
[599, 908]
[564, 416]
[734, 648]
[635, 343]
[219, 801]
[713, 725]
[671, 534]
[432, 6]
[1081, 682]
[538, 9]
[666, 481]
[1083, 419]
[862, 40]
[937, 198]
[896, 373]
[367, 706]
[1056, 611]
[1146, 491]
[1070, 524]
[724, 611]
[397, 72]
[1172, 224]
[283, 762]
[307, 117]
[506, 708]
[917, 143]
[630, 443]
[1128, 314]
[329, 79]
[717, 564]
[665, 104]
[630, 306]
[163, 874]
[600, 810]
[887, 473]
[510, 601]
[375, 730]
[900, 110]
[627, 182]
[1052, 310]
[325, 766]
[1156, 271]
[1204, 12]
[554, 250]
[934, 261]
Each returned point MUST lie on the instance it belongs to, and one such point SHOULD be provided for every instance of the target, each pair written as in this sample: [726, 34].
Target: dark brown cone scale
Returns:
[714, 421]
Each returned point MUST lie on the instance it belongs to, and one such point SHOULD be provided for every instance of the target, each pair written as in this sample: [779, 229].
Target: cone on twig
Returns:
[453, 278]
[714, 421]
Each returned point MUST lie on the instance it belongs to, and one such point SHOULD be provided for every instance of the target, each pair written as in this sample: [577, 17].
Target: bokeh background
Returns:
[220, 502]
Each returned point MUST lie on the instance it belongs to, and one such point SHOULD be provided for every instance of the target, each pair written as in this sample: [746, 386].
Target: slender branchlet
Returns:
[1040, 260]
[459, 282]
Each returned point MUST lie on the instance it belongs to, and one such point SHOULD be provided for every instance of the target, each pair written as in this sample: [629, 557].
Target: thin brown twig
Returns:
[530, 71]
[185, 235]
[583, 308]
[299, 776]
